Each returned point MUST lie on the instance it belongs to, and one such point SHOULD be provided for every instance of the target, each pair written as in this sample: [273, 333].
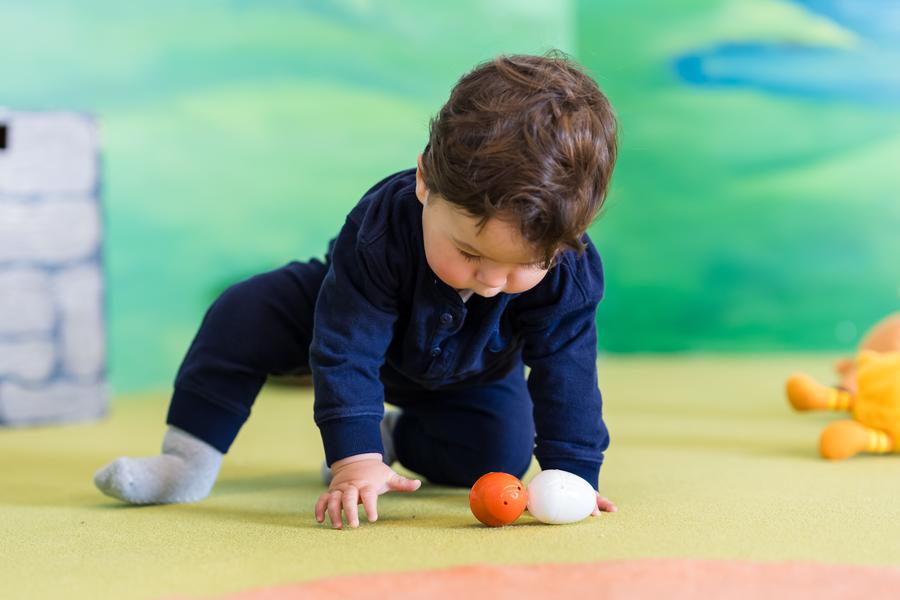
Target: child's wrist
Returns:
[356, 458]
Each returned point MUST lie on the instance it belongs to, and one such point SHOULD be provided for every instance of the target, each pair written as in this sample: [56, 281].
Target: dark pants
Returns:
[263, 326]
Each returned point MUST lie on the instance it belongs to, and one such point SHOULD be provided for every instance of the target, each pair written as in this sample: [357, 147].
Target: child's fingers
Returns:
[605, 504]
[350, 502]
[334, 509]
[369, 499]
[399, 483]
[320, 506]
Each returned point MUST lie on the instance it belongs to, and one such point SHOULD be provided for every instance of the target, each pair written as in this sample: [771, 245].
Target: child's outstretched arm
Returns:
[356, 310]
[571, 434]
[560, 347]
[359, 480]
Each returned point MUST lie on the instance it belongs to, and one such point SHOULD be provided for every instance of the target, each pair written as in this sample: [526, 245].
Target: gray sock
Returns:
[184, 472]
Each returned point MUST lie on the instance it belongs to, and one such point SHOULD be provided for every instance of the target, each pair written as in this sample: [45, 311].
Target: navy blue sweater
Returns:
[384, 319]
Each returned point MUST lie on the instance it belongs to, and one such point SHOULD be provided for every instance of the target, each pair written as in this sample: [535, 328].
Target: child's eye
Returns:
[469, 257]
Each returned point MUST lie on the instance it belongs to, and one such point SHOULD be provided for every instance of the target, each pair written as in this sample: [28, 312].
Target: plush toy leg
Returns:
[805, 393]
[843, 439]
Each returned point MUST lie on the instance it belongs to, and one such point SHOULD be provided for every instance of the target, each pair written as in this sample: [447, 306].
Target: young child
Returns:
[444, 283]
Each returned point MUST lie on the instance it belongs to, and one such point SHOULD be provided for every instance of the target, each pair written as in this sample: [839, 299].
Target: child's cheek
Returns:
[455, 274]
[525, 280]
[449, 270]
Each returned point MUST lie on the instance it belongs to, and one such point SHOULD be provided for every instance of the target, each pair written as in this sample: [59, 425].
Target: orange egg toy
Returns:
[497, 499]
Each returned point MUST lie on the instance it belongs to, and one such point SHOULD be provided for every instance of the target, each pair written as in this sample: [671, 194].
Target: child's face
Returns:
[488, 261]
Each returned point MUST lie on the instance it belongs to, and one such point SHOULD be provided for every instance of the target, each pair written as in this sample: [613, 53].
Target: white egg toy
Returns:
[559, 497]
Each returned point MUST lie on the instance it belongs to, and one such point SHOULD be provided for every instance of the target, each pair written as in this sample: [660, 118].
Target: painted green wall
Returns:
[744, 216]
[757, 202]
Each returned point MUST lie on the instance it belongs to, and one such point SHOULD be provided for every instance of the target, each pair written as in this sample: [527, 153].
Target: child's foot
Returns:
[388, 423]
[184, 472]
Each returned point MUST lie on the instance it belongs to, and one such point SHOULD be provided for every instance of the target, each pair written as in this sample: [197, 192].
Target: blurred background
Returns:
[755, 208]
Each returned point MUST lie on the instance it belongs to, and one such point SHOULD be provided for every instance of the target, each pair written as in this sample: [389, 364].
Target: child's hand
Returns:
[359, 479]
[603, 504]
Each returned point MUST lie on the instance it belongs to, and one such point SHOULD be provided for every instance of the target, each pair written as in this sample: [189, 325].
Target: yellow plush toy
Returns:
[869, 390]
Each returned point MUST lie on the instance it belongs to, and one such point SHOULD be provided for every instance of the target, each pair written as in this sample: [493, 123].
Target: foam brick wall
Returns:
[52, 329]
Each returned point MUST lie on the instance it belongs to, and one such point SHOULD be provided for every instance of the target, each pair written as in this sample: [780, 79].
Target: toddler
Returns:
[443, 284]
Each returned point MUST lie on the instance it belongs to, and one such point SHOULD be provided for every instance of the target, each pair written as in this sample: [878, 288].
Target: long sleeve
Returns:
[560, 346]
[354, 320]
[571, 434]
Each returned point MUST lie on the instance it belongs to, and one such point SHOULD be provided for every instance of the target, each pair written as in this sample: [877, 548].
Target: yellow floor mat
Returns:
[707, 461]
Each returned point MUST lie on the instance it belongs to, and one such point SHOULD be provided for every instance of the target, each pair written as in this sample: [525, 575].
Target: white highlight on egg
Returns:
[559, 497]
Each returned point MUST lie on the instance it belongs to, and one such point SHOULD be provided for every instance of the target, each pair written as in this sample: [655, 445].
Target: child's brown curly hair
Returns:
[530, 139]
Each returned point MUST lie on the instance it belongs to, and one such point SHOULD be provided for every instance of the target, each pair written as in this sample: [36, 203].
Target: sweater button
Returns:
[446, 318]
[436, 351]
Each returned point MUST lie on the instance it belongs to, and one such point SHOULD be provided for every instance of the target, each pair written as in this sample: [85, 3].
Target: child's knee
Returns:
[253, 294]
[263, 323]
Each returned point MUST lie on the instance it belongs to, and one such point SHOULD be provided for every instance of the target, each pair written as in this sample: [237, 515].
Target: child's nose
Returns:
[491, 277]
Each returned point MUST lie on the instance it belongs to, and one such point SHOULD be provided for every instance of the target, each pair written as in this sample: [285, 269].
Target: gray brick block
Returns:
[27, 360]
[61, 401]
[48, 153]
[26, 302]
[50, 231]
[80, 300]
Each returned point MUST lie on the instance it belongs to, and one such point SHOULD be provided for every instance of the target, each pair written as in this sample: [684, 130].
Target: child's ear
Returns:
[421, 189]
